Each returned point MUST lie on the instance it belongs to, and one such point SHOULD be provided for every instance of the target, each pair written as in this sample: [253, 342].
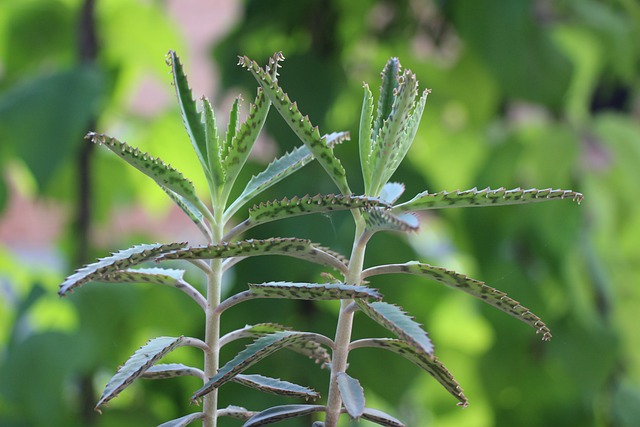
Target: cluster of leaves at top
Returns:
[384, 140]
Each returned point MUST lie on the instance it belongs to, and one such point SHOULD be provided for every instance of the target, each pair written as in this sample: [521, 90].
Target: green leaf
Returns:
[276, 386]
[190, 116]
[279, 413]
[171, 370]
[383, 220]
[420, 358]
[389, 85]
[297, 248]
[237, 412]
[486, 197]
[253, 353]
[277, 170]
[214, 150]
[137, 364]
[184, 421]
[379, 417]
[352, 395]
[313, 291]
[154, 168]
[300, 124]
[117, 261]
[364, 137]
[232, 126]
[474, 287]
[397, 321]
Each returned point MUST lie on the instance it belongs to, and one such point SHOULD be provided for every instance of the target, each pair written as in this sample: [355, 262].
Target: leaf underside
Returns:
[114, 263]
[352, 395]
[313, 291]
[476, 288]
[279, 413]
[298, 248]
[380, 418]
[485, 197]
[397, 321]
[383, 220]
[137, 364]
[276, 386]
[237, 412]
[171, 370]
[184, 421]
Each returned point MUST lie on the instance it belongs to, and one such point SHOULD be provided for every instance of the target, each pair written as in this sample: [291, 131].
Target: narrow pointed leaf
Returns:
[279, 169]
[154, 168]
[237, 412]
[313, 291]
[137, 364]
[486, 197]
[117, 261]
[214, 149]
[388, 87]
[474, 287]
[232, 126]
[365, 137]
[276, 386]
[397, 321]
[171, 370]
[253, 353]
[352, 395]
[298, 248]
[190, 116]
[286, 208]
[380, 418]
[279, 413]
[299, 124]
[378, 219]
[409, 133]
[309, 348]
[184, 421]
[420, 358]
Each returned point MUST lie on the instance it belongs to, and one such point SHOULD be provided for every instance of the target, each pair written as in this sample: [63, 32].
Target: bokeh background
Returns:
[529, 93]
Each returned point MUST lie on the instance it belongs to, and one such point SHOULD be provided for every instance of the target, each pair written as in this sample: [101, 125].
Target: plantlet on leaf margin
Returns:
[383, 144]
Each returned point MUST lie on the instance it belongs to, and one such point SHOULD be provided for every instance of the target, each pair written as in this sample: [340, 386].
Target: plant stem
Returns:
[345, 323]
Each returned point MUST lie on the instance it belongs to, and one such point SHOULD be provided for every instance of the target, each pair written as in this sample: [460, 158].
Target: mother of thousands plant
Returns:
[384, 140]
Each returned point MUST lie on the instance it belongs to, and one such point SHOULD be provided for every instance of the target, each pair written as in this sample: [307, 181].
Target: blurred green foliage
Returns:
[525, 93]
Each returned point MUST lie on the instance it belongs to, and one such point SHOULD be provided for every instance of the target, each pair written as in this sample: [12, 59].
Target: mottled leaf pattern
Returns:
[352, 395]
[214, 148]
[298, 248]
[388, 87]
[237, 412]
[276, 386]
[171, 370]
[279, 413]
[117, 261]
[313, 291]
[422, 359]
[137, 364]
[184, 421]
[383, 220]
[365, 135]
[300, 124]
[253, 353]
[486, 197]
[474, 287]
[398, 322]
[379, 417]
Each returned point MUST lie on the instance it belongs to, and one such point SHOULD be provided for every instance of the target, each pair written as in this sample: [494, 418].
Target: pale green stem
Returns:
[345, 323]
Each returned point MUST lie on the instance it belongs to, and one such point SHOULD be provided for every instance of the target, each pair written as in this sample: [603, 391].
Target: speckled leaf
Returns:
[279, 413]
[422, 359]
[300, 124]
[117, 261]
[137, 364]
[237, 412]
[474, 287]
[389, 85]
[313, 291]
[286, 208]
[380, 418]
[365, 135]
[486, 197]
[214, 148]
[154, 168]
[184, 421]
[190, 115]
[298, 248]
[378, 219]
[232, 126]
[279, 169]
[276, 386]
[397, 321]
[308, 348]
[171, 370]
[253, 353]
[352, 395]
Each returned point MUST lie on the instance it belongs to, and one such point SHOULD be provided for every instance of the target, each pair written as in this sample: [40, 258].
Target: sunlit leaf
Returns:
[313, 291]
[276, 386]
[279, 413]
[184, 421]
[486, 197]
[118, 261]
[137, 364]
[352, 395]
[474, 287]
[365, 135]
